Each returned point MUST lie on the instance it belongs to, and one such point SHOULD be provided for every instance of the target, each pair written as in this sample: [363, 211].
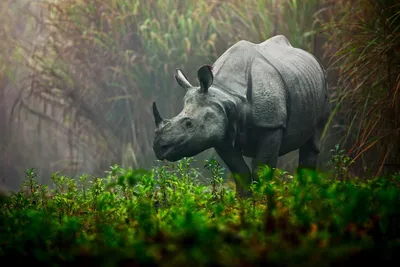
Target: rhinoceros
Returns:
[257, 100]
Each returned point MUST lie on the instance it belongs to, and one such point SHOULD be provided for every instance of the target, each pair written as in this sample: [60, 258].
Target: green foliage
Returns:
[216, 179]
[340, 162]
[166, 217]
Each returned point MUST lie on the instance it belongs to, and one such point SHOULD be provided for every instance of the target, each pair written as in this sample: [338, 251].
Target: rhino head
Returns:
[199, 126]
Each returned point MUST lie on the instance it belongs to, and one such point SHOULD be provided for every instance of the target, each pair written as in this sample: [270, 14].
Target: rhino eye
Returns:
[187, 124]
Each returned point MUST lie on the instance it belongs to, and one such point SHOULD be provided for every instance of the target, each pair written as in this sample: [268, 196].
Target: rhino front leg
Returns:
[268, 151]
[239, 169]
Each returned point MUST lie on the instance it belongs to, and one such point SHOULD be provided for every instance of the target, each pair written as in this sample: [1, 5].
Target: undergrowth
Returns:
[165, 217]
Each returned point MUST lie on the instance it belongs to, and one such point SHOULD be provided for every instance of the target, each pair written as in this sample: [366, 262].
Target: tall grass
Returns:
[258, 20]
[4, 76]
[99, 64]
[14, 31]
[366, 36]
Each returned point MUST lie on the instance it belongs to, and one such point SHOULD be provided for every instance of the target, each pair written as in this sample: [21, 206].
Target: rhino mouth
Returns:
[168, 152]
[163, 152]
[174, 152]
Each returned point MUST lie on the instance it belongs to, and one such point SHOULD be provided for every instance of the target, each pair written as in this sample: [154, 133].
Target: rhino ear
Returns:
[206, 78]
[182, 80]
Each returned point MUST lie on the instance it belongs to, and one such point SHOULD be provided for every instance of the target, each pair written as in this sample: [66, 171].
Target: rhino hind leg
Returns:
[308, 153]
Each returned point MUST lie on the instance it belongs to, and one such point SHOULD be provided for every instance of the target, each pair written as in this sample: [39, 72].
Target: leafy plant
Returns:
[216, 179]
[285, 222]
[340, 162]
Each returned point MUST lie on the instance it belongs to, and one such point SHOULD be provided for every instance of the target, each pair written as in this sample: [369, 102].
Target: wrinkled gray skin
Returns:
[257, 100]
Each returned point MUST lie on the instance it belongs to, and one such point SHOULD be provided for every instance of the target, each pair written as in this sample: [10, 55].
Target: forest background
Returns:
[77, 78]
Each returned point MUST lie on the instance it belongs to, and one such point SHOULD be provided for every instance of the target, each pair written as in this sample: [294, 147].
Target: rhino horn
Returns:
[182, 80]
[206, 78]
[157, 117]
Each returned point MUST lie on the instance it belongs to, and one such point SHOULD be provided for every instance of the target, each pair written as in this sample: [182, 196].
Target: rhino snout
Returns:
[161, 148]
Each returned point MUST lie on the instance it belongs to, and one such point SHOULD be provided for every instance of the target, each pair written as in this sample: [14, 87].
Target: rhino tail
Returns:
[248, 118]
[249, 93]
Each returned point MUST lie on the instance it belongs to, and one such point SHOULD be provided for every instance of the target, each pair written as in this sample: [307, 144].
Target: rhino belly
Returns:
[294, 138]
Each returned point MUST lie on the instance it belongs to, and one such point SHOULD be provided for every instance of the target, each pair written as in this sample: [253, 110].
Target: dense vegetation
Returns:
[165, 217]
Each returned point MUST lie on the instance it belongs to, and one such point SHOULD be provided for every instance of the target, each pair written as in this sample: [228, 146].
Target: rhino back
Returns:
[293, 91]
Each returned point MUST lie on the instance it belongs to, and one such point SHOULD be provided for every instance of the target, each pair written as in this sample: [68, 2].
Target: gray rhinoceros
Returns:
[257, 100]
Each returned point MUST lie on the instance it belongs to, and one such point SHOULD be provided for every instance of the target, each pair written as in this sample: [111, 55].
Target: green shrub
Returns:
[164, 217]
